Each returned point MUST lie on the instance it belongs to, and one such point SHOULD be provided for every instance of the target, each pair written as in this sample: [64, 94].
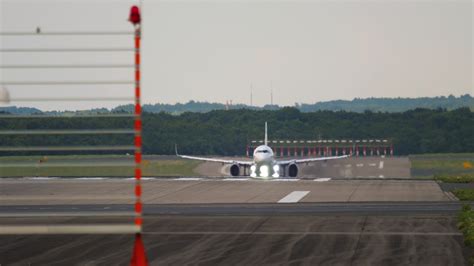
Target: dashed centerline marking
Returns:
[236, 179]
[41, 178]
[323, 179]
[381, 165]
[293, 197]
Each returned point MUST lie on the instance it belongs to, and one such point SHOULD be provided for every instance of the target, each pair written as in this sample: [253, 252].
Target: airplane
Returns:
[263, 165]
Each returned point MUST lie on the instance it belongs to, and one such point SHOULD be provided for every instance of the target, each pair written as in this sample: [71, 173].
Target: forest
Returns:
[223, 132]
[356, 105]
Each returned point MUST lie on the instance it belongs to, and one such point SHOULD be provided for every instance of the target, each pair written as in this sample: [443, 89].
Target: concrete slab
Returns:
[35, 192]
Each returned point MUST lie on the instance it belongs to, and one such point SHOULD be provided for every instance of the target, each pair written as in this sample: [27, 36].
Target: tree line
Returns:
[356, 105]
[228, 132]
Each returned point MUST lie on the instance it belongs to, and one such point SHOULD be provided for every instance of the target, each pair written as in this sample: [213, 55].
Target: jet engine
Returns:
[235, 170]
[292, 170]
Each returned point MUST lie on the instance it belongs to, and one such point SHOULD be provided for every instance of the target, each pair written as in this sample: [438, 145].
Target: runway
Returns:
[352, 208]
[208, 191]
[224, 221]
[353, 167]
[304, 239]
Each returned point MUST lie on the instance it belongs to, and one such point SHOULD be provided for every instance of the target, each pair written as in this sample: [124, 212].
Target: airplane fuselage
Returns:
[264, 163]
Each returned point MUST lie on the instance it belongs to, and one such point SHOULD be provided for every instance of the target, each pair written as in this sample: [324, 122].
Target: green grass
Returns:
[92, 165]
[432, 165]
[456, 178]
[466, 225]
[169, 168]
[466, 194]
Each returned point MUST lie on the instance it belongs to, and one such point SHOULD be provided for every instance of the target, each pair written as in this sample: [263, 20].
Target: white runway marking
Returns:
[41, 178]
[323, 179]
[188, 179]
[143, 178]
[293, 197]
[236, 179]
[360, 165]
[372, 164]
[381, 165]
[90, 178]
[348, 165]
[381, 176]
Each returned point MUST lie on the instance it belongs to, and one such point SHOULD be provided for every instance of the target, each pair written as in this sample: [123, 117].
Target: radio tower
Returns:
[271, 92]
[251, 94]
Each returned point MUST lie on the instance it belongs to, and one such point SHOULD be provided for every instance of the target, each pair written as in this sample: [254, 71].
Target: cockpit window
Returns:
[262, 151]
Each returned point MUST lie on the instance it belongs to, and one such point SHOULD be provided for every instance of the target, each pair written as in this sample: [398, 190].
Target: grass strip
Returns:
[455, 178]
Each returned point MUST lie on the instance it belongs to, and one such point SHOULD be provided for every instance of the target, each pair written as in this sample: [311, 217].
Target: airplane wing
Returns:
[216, 160]
[309, 160]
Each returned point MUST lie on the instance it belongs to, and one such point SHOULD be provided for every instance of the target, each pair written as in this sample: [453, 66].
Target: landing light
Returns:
[276, 171]
[264, 171]
[253, 170]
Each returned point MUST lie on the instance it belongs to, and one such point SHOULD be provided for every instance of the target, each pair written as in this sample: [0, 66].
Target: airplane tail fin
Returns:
[266, 134]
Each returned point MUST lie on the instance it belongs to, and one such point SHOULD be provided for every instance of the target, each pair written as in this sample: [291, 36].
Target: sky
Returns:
[305, 51]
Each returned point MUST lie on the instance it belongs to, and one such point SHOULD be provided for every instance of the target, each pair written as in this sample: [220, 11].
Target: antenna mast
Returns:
[251, 94]
[271, 92]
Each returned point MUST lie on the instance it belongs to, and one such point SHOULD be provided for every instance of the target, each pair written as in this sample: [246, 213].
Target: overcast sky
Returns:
[214, 50]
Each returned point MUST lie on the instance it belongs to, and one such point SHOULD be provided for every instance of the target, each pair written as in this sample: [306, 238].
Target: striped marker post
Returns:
[139, 254]
[138, 134]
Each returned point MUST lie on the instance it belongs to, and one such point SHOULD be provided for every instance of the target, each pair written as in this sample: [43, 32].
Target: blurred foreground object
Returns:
[4, 96]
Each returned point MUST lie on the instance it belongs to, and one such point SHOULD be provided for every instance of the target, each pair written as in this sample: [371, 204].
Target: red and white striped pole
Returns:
[138, 133]
[139, 256]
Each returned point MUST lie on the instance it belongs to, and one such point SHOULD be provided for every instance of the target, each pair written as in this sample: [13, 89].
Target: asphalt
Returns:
[351, 208]
[209, 191]
[249, 240]
[353, 167]
[202, 221]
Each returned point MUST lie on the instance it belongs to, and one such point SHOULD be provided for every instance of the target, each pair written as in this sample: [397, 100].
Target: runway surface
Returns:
[228, 221]
[352, 208]
[353, 167]
[204, 191]
[250, 240]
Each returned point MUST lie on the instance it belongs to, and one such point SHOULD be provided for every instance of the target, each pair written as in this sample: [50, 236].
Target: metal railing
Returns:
[71, 148]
